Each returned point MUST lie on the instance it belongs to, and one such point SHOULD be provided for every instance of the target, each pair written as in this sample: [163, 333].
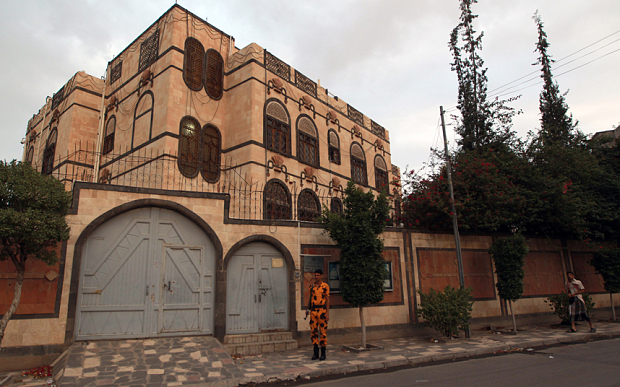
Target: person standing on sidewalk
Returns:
[318, 308]
[577, 306]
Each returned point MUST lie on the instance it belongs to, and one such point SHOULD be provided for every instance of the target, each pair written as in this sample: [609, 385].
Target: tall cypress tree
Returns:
[557, 127]
[475, 125]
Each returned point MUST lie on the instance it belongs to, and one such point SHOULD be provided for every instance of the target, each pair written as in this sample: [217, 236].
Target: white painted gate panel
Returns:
[124, 264]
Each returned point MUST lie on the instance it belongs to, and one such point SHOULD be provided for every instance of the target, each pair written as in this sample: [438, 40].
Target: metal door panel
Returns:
[122, 271]
[241, 302]
[180, 291]
[257, 292]
[272, 284]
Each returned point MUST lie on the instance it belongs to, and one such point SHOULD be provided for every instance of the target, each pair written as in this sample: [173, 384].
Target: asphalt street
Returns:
[594, 363]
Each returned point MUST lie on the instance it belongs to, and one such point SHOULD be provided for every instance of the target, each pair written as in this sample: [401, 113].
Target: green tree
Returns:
[607, 264]
[32, 221]
[577, 194]
[356, 233]
[557, 125]
[482, 123]
[509, 257]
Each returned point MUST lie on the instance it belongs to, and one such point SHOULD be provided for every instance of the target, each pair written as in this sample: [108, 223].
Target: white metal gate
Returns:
[148, 272]
[257, 292]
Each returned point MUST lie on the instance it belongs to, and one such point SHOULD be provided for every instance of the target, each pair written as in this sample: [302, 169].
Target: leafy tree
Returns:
[446, 311]
[356, 233]
[557, 125]
[488, 192]
[482, 123]
[32, 221]
[607, 264]
[578, 195]
[509, 257]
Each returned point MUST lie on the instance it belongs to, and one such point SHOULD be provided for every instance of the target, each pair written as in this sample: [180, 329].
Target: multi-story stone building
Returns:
[197, 171]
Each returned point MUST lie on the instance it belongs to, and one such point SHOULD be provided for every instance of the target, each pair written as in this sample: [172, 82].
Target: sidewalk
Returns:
[203, 361]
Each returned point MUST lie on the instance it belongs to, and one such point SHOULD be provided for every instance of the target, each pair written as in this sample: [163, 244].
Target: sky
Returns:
[387, 58]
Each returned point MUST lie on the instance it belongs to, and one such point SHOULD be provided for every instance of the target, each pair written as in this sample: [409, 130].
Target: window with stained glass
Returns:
[307, 142]
[49, 152]
[188, 147]
[277, 201]
[193, 63]
[214, 74]
[334, 147]
[108, 139]
[335, 206]
[30, 155]
[358, 164]
[277, 128]
[381, 174]
[308, 206]
[210, 149]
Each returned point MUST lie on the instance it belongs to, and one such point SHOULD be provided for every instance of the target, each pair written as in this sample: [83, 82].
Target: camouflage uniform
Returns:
[318, 325]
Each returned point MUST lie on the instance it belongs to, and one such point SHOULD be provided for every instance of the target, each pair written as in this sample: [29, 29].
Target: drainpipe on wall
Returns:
[100, 130]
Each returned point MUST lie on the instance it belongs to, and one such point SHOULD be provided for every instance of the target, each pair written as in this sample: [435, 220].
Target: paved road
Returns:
[588, 364]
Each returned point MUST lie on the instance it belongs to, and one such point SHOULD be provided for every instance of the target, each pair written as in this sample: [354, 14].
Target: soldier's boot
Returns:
[322, 354]
[316, 352]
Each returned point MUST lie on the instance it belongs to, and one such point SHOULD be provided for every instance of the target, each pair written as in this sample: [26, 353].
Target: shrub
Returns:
[448, 311]
[559, 305]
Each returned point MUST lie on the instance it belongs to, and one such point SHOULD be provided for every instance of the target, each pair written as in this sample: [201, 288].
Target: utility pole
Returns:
[455, 225]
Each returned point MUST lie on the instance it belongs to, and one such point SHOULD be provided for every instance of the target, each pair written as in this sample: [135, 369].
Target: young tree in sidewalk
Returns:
[356, 233]
[509, 257]
[32, 221]
[607, 264]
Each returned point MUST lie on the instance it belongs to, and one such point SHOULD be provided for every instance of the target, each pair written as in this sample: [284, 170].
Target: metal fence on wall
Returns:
[153, 169]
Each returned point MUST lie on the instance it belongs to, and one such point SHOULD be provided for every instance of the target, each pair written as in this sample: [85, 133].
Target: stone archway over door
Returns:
[257, 291]
[148, 272]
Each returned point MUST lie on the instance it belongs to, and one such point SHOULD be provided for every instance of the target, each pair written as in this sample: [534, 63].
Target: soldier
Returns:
[318, 308]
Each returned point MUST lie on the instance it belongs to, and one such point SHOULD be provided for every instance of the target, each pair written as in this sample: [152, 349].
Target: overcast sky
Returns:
[389, 59]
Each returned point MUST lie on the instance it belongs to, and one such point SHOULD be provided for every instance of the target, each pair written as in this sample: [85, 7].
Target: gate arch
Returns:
[153, 243]
[267, 247]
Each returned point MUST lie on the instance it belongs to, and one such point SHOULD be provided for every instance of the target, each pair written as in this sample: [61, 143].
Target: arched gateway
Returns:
[147, 272]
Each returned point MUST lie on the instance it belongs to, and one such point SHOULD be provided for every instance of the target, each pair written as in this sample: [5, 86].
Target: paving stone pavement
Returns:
[203, 361]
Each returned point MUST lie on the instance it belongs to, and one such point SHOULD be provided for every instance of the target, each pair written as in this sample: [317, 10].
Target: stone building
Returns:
[197, 169]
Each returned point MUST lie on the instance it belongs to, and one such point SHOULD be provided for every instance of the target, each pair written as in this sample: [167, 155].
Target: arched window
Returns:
[307, 142]
[108, 139]
[334, 147]
[199, 150]
[308, 206]
[277, 128]
[277, 201]
[142, 120]
[381, 174]
[210, 148]
[336, 206]
[49, 152]
[189, 133]
[30, 155]
[358, 164]
[193, 63]
[214, 74]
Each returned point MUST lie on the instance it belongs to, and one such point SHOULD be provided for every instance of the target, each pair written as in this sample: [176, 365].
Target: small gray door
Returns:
[146, 273]
[257, 292]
